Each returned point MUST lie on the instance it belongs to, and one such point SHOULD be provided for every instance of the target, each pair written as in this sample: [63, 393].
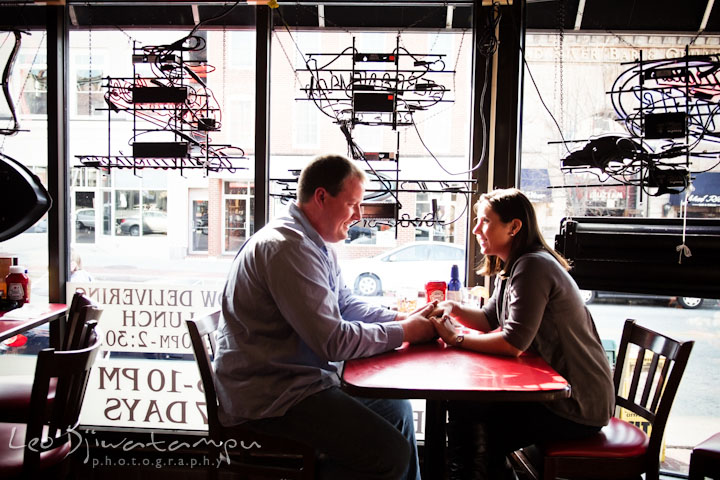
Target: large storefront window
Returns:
[155, 239]
[575, 84]
[410, 164]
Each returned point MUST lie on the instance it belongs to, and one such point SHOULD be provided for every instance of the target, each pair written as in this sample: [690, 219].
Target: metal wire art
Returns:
[173, 110]
[668, 107]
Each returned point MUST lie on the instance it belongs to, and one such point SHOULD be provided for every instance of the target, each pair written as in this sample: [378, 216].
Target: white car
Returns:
[409, 266]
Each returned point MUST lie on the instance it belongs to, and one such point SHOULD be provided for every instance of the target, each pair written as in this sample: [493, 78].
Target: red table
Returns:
[28, 317]
[436, 372]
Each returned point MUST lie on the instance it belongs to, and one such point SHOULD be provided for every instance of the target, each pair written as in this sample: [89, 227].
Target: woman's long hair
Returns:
[509, 204]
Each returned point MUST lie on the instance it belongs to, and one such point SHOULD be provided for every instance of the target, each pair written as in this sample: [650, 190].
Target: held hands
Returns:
[448, 307]
[417, 327]
[447, 328]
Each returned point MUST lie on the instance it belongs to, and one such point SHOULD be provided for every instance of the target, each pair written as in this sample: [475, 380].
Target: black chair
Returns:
[39, 447]
[621, 450]
[15, 389]
[278, 457]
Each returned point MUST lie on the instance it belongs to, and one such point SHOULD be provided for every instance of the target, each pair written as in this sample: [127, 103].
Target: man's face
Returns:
[341, 211]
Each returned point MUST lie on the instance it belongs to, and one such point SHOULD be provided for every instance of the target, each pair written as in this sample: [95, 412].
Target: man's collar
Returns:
[300, 217]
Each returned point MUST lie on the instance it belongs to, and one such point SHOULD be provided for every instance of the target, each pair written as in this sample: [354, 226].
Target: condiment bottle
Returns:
[435, 291]
[16, 284]
[454, 285]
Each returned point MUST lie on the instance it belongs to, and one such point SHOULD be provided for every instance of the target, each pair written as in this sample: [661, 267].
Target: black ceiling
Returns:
[597, 15]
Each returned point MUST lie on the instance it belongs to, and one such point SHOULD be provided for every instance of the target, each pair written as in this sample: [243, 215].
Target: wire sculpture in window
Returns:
[668, 107]
[174, 113]
[379, 89]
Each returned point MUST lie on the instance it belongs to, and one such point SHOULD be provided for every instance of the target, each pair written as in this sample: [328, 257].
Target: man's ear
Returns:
[320, 194]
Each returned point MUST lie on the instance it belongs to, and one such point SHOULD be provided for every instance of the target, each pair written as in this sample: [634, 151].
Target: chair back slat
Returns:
[635, 380]
[650, 382]
[74, 326]
[662, 379]
[202, 336]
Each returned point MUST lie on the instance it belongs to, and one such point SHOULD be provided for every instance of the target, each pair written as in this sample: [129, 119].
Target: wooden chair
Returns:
[38, 447]
[621, 450]
[278, 457]
[15, 390]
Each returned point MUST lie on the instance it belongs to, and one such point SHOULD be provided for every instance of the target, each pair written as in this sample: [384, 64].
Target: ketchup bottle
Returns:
[435, 291]
[16, 284]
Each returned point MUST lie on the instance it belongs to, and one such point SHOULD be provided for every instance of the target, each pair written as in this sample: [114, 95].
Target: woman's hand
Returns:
[446, 328]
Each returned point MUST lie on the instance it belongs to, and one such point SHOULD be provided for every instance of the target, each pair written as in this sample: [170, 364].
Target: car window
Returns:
[410, 254]
[443, 252]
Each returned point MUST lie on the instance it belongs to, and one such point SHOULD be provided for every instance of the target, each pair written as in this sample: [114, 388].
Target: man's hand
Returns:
[417, 327]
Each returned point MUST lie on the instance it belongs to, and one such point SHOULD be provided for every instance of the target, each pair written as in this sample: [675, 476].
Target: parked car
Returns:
[590, 296]
[409, 266]
[152, 222]
[85, 218]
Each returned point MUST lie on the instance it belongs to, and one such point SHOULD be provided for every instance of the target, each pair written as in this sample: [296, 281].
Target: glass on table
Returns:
[407, 300]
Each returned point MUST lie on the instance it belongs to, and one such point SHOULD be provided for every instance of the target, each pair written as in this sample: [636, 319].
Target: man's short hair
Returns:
[328, 172]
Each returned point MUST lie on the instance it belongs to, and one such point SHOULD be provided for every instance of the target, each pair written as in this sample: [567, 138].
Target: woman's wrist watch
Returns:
[459, 340]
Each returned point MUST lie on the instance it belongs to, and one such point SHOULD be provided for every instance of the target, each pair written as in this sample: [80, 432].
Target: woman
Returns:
[535, 307]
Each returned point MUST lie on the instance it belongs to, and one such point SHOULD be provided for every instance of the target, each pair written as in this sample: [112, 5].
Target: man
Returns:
[288, 320]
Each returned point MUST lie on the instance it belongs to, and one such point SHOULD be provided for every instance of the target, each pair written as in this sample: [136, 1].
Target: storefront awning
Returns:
[706, 193]
[534, 183]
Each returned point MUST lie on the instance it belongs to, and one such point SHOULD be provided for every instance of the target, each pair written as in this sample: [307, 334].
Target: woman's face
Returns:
[493, 235]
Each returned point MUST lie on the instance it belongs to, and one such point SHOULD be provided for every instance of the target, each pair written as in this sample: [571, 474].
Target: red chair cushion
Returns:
[709, 448]
[12, 442]
[618, 439]
[15, 393]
